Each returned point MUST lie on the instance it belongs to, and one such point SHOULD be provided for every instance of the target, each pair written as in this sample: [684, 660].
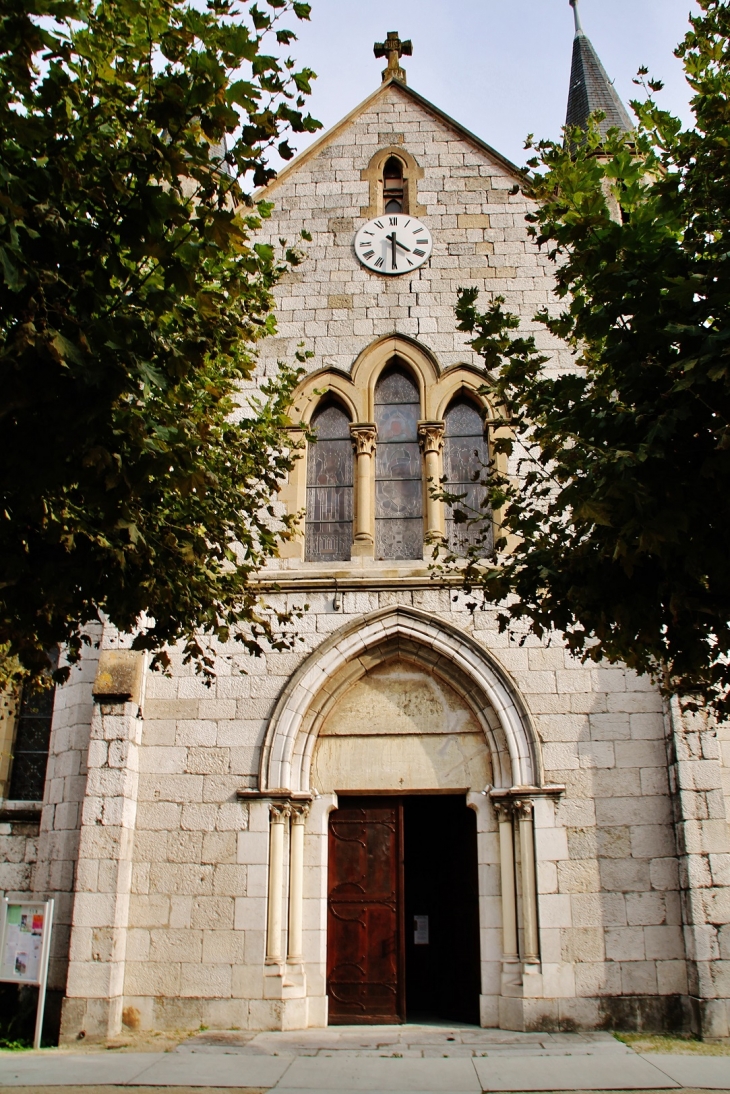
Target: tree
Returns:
[135, 485]
[616, 534]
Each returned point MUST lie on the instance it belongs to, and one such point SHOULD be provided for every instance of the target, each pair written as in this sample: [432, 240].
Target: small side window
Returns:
[32, 741]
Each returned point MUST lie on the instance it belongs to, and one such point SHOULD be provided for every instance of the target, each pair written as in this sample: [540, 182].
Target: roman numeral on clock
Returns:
[380, 262]
[368, 254]
[418, 252]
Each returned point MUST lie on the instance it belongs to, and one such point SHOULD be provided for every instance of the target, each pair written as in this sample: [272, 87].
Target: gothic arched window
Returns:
[465, 463]
[329, 487]
[394, 190]
[398, 474]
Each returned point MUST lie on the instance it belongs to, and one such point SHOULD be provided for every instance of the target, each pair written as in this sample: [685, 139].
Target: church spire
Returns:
[576, 13]
[590, 87]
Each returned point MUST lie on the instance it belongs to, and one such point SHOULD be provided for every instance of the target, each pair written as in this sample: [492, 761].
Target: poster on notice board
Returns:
[23, 942]
[25, 947]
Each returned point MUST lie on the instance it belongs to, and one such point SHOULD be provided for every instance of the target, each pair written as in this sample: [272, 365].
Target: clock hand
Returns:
[399, 244]
[394, 253]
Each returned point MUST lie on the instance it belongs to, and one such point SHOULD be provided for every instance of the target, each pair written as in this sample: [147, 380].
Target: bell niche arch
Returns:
[392, 175]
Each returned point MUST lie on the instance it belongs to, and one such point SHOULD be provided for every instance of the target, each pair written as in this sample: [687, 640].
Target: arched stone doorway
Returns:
[400, 750]
[398, 703]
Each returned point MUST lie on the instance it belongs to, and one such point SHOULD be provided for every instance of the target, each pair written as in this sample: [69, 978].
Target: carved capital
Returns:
[364, 436]
[431, 436]
[299, 812]
[279, 811]
[523, 808]
[504, 811]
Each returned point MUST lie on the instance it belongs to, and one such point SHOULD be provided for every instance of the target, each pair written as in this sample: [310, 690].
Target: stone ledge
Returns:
[296, 580]
[20, 811]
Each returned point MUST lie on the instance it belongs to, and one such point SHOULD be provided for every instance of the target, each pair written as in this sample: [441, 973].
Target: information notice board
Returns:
[25, 946]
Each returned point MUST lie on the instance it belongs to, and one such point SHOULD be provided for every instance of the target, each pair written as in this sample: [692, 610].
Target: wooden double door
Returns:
[403, 910]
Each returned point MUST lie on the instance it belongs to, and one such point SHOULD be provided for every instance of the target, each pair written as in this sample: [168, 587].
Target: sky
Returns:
[500, 67]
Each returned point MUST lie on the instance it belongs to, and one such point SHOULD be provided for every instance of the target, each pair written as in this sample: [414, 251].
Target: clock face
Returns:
[393, 245]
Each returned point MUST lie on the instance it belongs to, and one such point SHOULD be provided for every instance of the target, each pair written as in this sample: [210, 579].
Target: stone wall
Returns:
[19, 822]
[18, 856]
[478, 226]
[58, 841]
[723, 737]
[610, 918]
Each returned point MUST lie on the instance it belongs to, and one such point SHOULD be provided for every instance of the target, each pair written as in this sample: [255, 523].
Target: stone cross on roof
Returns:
[394, 49]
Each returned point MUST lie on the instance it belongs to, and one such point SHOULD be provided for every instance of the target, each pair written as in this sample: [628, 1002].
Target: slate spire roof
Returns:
[590, 87]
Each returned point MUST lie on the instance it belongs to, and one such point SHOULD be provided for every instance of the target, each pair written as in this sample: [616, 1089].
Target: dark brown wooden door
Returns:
[365, 952]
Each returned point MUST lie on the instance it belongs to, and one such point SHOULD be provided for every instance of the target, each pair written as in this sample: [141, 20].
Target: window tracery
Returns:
[329, 487]
[466, 456]
[395, 397]
[398, 468]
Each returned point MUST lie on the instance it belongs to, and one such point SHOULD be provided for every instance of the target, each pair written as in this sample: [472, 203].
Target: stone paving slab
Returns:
[403, 1041]
[353, 1072]
[565, 1073]
[335, 1074]
[223, 1070]
[705, 1072]
[41, 1069]
[107, 1089]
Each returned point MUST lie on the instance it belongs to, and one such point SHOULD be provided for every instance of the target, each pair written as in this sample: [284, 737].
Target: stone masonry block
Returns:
[639, 978]
[212, 913]
[621, 876]
[625, 944]
[208, 981]
[175, 945]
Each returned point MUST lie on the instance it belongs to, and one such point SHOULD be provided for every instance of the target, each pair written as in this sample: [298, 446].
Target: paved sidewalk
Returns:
[385, 1059]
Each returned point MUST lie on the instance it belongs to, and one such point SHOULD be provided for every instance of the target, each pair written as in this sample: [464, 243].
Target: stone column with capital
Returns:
[510, 944]
[364, 436]
[279, 816]
[296, 883]
[431, 439]
[523, 811]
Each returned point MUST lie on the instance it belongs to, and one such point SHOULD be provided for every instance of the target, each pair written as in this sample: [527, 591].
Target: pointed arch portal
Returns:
[315, 977]
[418, 636]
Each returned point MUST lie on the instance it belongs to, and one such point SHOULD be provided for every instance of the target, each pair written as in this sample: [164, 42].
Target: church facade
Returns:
[409, 814]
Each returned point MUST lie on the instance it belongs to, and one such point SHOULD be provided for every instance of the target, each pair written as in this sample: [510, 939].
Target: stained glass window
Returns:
[398, 473]
[32, 740]
[465, 465]
[329, 488]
